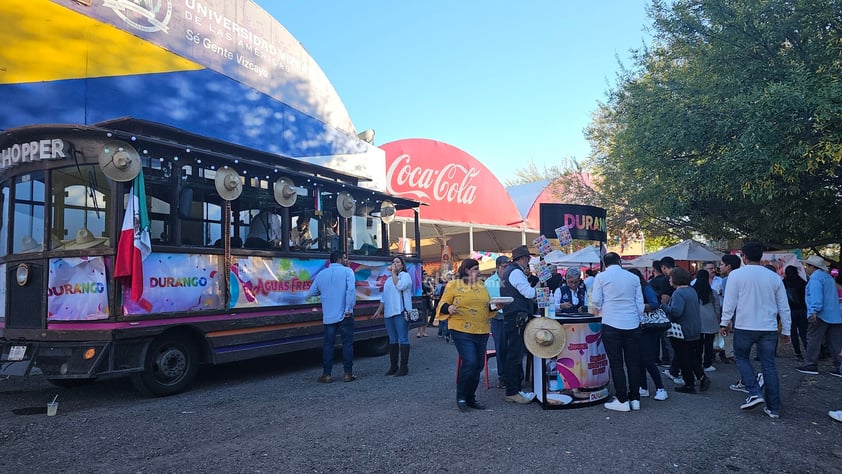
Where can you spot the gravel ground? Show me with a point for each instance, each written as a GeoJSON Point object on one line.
{"type": "Point", "coordinates": [270, 416]}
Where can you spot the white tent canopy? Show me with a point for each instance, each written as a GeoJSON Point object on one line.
{"type": "Point", "coordinates": [689, 250]}
{"type": "Point", "coordinates": [552, 258]}
{"type": "Point", "coordinates": [581, 258]}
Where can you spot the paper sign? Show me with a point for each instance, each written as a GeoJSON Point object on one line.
{"type": "Point", "coordinates": [543, 297]}
{"type": "Point", "coordinates": [544, 272]}
{"type": "Point", "coordinates": [543, 245]}
{"type": "Point", "coordinates": [563, 234]}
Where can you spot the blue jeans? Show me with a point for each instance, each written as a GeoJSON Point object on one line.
{"type": "Point", "coordinates": [398, 329]}
{"type": "Point", "coordinates": [346, 331]}
{"type": "Point", "coordinates": [650, 345]}
{"type": "Point", "coordinates": [498, 330]}
{"type": "Point", "coordinates": [471, 348]}
{"type": "Point", "coordinates": [766, 342]}
{"type": "Point", "coordinates": [623, 349]}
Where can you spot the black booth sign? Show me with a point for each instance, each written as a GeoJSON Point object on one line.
{"type": "Point", "coordinates": [584, 222]}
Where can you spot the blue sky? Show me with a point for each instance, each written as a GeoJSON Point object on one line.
{"type": "Point", "coordinates": [507, 82]}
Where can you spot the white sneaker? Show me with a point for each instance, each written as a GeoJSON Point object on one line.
{"type": "Point", "coordinates": [661, 394]}
{"type": "Point", "coordinates": [710, 369]}
{"type": "Point", "coordinates": [527, 395]}
{"type": "Point", "coordinates": [674, 379]}
{"type": "Point", "coordinates": [836, 415]}
{"type": "Point", "coordinates": [616, 405]}
{"type": "Point", "coordinates": [643, 392]}
{"type": "Point", "coordinates": [635, 404]}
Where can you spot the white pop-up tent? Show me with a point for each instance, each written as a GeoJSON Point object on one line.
{"type": "Point", "coordinates": [689, 250]}
{"type": "Point", "coordinates": [553, 258]}
{"type": "Point", "coordinates": [581, 258]}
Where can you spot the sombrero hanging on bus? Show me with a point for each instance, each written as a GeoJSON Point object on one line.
{"type": "Point", "coordinates": [84, 240]}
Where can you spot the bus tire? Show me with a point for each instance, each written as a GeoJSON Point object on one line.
{"type": "Point", "coordinates": [171, 365]}
{"type": "Point", "coordinates": [373, 347]}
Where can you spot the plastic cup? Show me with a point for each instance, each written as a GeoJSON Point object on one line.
{"type": "Point", "coordinates": [52, 408]}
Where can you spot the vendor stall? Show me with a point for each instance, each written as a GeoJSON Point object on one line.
{"type": "Point", "coordinates": [568, 360]}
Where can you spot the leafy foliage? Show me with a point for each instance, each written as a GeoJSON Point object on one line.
{"type": "Point", "coordinates": [729, 124]}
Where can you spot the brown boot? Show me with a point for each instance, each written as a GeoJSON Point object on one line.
{"type": "Point", "coordinates": [403, 370]}
{"type": "Point", "coordinates": [393, 359]}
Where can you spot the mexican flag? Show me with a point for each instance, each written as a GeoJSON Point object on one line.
{"type": "Point", "coordinates": [134, 243]}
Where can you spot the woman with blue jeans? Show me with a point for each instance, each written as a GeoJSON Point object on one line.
{"type": "Point", "coordinates": [650, 343]}
{"type": "Point", "coordinates": [397, 296]}
{"type": "Point", "coordinates": [465, 305]}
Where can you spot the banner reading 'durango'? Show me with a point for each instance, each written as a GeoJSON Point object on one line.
{"type": "Point", "coordinates": [584, 222]}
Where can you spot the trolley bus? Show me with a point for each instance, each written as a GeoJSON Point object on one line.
{"type": "Point", "coordinates": [204, 293]}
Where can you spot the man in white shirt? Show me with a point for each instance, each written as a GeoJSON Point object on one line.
{"type": "Point", "coordinates": [515, 284]}
{"type": "Point", "coordinates": [618, 298]}
{"type": "Point", "coordinates": [754, 299]}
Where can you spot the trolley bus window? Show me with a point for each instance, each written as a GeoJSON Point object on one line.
{"type": "Point", "coordinates": [364, 231]}
{"type": "Point", "coordinates": [80, 208]}
{"type": "Point", "coordinates": [201, 219]}
{"type": "Point", "coordinates": [28, 222]}
{"type": "Point", "coordinates": [4, 226]}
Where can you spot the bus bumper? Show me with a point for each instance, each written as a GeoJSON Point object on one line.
{"type": "Point", "coordinates": [51, 359]}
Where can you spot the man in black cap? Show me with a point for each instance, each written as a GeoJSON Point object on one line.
{"type": "Point", "coordinates": [498, 330]}
{"type": "Point", "coordinates": [515, 284]}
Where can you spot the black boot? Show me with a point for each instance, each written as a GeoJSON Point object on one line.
{"type": "Point", "coordinates": [393, 359]}
{"type": "Point", "coordinates": [403, 370]}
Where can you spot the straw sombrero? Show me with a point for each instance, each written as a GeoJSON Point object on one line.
{"type": "Point", "coordinates": [28, 244]}
{"type": "Point", "coordinates": [284, 191]}
{"type": "Point", "coordinates": [345, 204]}
{"type": "Point", "coordinates": [228, 184]}
{"type": "Point", "coordinates": [119, 161]}
{"type": "Point", "coordinates": [84, 240]}
{"type": "Point", "coordinates": [544, 337]}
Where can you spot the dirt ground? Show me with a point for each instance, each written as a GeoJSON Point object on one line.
{"type": "Point", "coordinates": [270, 416]}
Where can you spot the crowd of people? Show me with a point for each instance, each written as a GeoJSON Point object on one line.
{"type": "Point", "coordinates": [731, 311]}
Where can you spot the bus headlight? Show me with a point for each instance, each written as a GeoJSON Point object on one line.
{"type": "Point", "coordinates": [22, 274]}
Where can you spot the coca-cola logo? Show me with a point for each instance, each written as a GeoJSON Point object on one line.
{"type": "Point", "coordinates": [451, 183]}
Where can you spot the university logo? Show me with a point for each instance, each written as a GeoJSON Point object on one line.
{"type": "Point", "coordinates": [144, 15]}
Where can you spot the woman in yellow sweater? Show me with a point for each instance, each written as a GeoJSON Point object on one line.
{"type": "Point", "coordinates": [465, 304]}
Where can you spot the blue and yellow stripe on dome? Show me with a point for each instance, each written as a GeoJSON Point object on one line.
{"type": "Point", "coordinates": [44, 41]}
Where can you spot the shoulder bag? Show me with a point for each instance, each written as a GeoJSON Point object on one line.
{"type": "Point", "coordinates": [655, 320]}
{"type": "Point", "coordinates": [411, 315]}
{"type": "Point", "coordinates": [675, 331]}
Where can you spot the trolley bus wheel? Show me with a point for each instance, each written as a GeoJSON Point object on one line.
{"type": "Point", "coordinates": [171, 365]}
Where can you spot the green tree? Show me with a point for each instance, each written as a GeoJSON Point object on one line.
{"type": "Point", "coordinates": [730, 123]}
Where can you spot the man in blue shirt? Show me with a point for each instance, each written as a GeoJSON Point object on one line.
{"type": "Point", "coordinates": [335, 285]}
{"type": "Point", "coordinates": [823, 315]}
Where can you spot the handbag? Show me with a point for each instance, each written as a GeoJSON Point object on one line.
{"type": "Point", "coordinates": [410, 315]}
{"type": "Point", "coordinates": [675, 331]}
{"type": "Point", "coordinates": [655, 320]}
